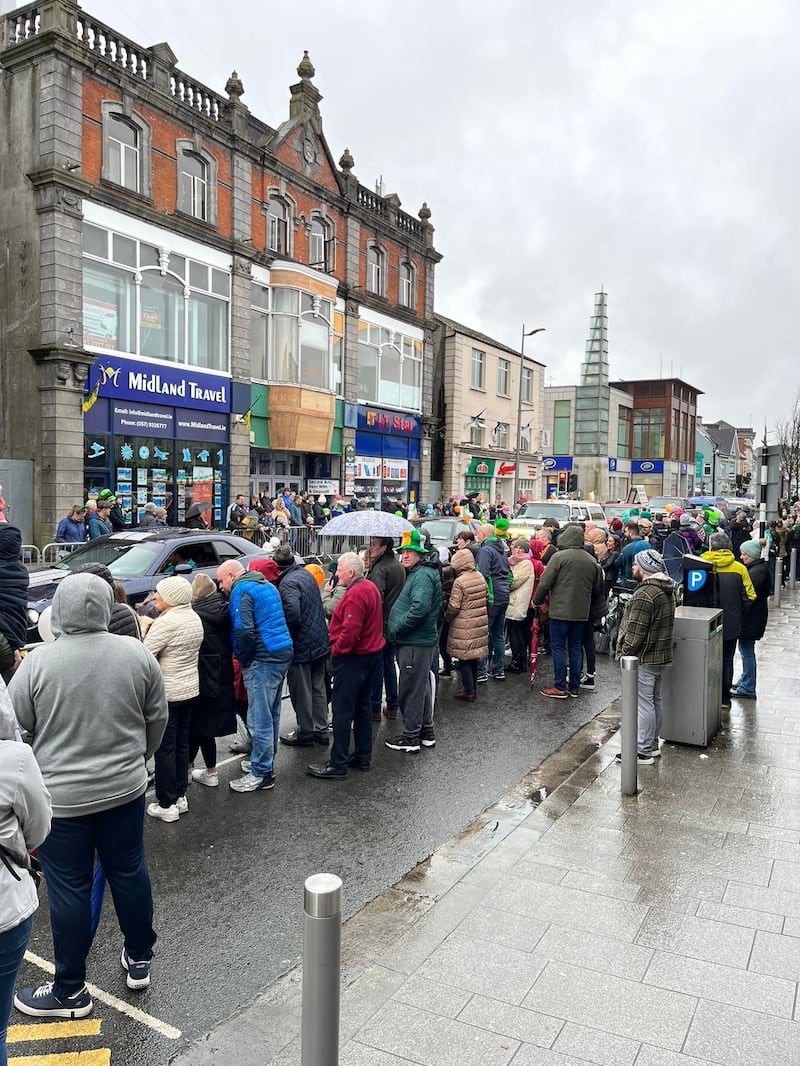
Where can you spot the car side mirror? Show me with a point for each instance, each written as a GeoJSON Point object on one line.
{"type": "Point", "coordinates": [183, 568]}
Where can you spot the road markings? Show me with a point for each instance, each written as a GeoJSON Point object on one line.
{"type": "Point", "coordinates": [99, 1057]}
{"type": "Point", "coordinates": [111, 1001]}
{"type": "Point", "coordinates": [18, 1034]}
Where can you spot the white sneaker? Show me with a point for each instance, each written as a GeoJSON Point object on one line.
{"type": "Point", "coordinates": [164, 814]}
{"type": "Point", "coordinates": [206, 777]}
{"type": "Point", "coordinates": [182, 804]}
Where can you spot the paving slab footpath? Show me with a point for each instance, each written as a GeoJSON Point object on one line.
{"type": "Point", "coordinates": [661, 929]}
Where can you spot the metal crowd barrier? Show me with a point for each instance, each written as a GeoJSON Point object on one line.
{"type": "Point", "coordinates": [55, 552]}
{"type": "Point", "coordinates": [31, 555]}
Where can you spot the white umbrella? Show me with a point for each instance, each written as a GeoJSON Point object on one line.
{"type": "Point", "coordinates": [366, 524]}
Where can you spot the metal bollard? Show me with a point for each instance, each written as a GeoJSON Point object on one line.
{"type": "Point", "coordinates": [322, 938]}
{"type": "Point", "coordinates": [630, 724]}
{"type": "Point", "coordinates": [776, 590]}
{"type": "Point", "coordinates": [793, 570]}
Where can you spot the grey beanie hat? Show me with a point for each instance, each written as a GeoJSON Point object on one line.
{"type": "Point", "coordinates": [650, 561]}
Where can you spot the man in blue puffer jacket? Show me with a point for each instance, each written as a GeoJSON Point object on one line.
{"type": "Point", "coordinates": [302, 606]}
{"type": "Point", "coordinates": [263, 646]}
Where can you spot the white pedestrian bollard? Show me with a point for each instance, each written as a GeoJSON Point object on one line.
{"type": "Point", "coordinates": [793, 570]}
{"type": "Point", "coordinates": [629, 781]}
{"type": "Point", "coordinates": [322, 941]}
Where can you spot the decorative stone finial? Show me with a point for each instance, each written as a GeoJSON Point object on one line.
{"type": "Point", "coordinates": [347, 162]}
{"type": "Point", "coordinates": [305, 68]}
{"type": "Point", "coordinates": [425, 214]}
{"type": "Point", "coordinates": [234, 88]}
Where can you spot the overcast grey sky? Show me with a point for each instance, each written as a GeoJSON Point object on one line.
{"type": "Point", "coordinates": [648, 146]}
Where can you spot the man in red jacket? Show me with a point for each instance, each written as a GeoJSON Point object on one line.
{"type": "Point", "coordinates": [356, 635]}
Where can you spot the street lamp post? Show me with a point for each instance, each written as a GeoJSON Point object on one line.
{"type": "Point", "coordinates": [530, 333]}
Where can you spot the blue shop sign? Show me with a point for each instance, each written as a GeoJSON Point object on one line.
{"type": "Point", "coordinates": [647, 466]}
{"type": "Point", "coordinates": [612, 465]}
{"type": "Point", "coordinates": [382, 420]}
{"type": "Point", "coordinates": [128, 379]}
{"type": "Point", "coordinates": [556, 462]}
{"type": "Point", "coordinates": [684, 469]}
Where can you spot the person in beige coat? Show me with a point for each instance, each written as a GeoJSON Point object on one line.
{"type": "Point", "coordinates": [519, 616]}
{"type": "Point", "coordinates": [175, 638]}
{"type": "Point", "coordinates": [468, 615]}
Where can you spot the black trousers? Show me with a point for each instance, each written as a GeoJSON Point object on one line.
{"type": "Point", "coordinates": [469, 674]}
{"type": "Point", "coordinates": [207, 745]}
{"type": "Point", "coordinates": [352, 705]}
{"type": "Point", "coordinates": [172, 758]}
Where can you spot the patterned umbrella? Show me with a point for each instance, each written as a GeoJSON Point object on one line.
{"type": "Point", "coordinates": [366, 524]}
{"type": "Point", "coordinates": [533, 660]}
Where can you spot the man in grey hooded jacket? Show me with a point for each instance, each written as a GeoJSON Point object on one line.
{"type": "Point", "coordinates": [92, 751]}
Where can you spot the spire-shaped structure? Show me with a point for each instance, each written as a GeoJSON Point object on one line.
{"type": "Point", "coordinates": [592, 395]}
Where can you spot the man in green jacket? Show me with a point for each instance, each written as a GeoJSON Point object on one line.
{"type": "Point", "coordinates": [412, 628]}
{"type": "Point", "coordinates": [646, 631]}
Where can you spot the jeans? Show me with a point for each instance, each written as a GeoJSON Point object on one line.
{"type": "Point", "coordinates": [747, 678]}
{"type": "Point", "coordinates": [496, 661]}
{"type": "Point", "coordinates": [728, 652]}
{"type": "Point", "coordinates": [67, 857]}
{"type": "Point", "coordinates": [172, 757]}
{"type": "Point", "coordinates": [385, 677]}
{"type": "Point", "coordinates": [264, 683]}
{"type": "Point", "coordinates": [309, 696]}
{"type": "Point", "coordinates": [352, 705]}
{"type": "Point", "coordinates": [649, 695]}
{"type": "Point", "coordinates": [415, 693]}
{"type": "Point", "coordinates": [12, 949]}
{"type": "Point", "coordinates": [566, 640]}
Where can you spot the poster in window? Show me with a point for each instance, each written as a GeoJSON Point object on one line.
{"type": "Point", "coordinates": [100, 324]}
{"type": "Point", "coordinates": [151, 316]}
{"type": "Point", "coordinates": [202, 484]}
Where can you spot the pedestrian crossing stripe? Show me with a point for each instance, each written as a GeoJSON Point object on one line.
{"type": "Point", "coordinates": [100, 1057]}
{"type": "Point", "coordinates": [18, 1034]}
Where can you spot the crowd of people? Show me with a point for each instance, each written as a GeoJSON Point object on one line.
{"type": "Point", "coordinates": [369, 640]}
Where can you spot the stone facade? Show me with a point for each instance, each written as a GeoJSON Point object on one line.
{"type": "Point", "coordinates": [64, 72]}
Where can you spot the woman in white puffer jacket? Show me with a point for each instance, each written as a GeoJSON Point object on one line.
{"type": "Point", "coordinates": [175, 638]}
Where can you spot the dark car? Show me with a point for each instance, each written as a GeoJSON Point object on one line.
{"type": "Point", "coordinates": [138, 559]}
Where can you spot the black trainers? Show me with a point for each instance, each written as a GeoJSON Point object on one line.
{"type": "Point", "coordinates": [403, 743]}
{"type": "Point", "coordinates": [138, 972]}
{"type": "Point", "coordinates": [643, 758]}
{"type": "Point", "coordinates": [427, 738]}
{"type": "Point", "coordinates": [587, 681]}
{"type": "Point", "coordinates": [42, 1002]}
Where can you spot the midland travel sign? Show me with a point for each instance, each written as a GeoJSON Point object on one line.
{"type": "Point", "coordinates": [165, 383]}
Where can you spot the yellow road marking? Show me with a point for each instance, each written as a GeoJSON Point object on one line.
{"type": "Point", "coordinates": [18, 1034]}
{"type": "Point", "coordinates": [164, 1028]}
{"type": "Point", "coordinates": [100, 1057]}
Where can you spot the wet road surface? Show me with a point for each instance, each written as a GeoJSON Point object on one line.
{"type": "Point", "coordinates": [228, 877]}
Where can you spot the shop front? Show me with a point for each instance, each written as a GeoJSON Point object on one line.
{"type": "Point", "coordinates": [157, 433]}
{"type": "Point", "coordinates": [649, 475]}
{"type": "Point", "coordinates": [557, 470]}
{"type": "Point", "coordinates": [385, 463]}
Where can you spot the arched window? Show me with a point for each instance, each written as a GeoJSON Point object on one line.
{"type": "Point", "coordinates": [408, 285]}
{"type": "Point", "coordinates": [126, 147]}
{"type": "Point", "coordinates": [376, 270]}
{"type": "Point", "coordinates": [194, 185]}
{"type": "Point", "coordinates": [123, 153]}
{"type": "Point", "coordinates": [321, 245]}
{"type": "Point", "coordinates": [277, 226]}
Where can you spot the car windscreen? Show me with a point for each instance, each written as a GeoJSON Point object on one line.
{"type": "Point", "coordinates": [439, 530]}
{"type": "Point", "coordinates": [123, 558]}
{"type": "Point", "coordinates": [545, 510]}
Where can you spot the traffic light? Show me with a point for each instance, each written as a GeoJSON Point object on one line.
{"type": "Point", "coordinates": [562, 481]}
{"type": "Point", "coordinates": [573, 483]}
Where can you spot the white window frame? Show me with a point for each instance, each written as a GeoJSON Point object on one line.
{"type": "Point", "coordinates": [501, 436]}
{"type": "Point", "coordinates": [204, 188]}
{"type": "Point", "coordinates": [376, 269]}
{"type": "Point", "coordinates": [503, 377]}
{"type": "Point", "coordinates": [122, 111]}
{"type": "Point", "coordinates": [407, 288]}
{"type": "Point", "coordinates": [278, 227]}
{"type": "Point", "coordinates": [476, 435]}
{"type": "Point", "coordinates": [527, 384]}
{"type": "Point", "coordinates": [326, 235]}
{"type": "Point", "coordinates": [478, 363]}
